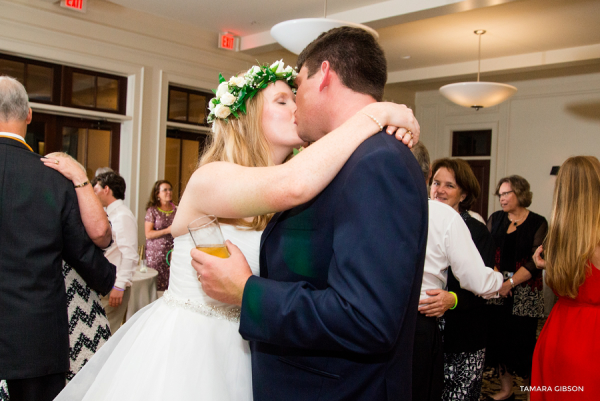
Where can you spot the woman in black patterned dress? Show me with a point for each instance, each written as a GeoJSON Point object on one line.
{"type": "Point", "coordinates": [514, 316]}
{"type": "Point", "coordinates": [88, 325]}
{"type": "Point", "coordinates": [454, 183]}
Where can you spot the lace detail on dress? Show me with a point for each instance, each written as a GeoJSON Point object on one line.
{"type": "Point", "coordinates": [220, 312]}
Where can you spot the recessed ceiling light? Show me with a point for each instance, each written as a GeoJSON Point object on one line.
{"type": "Point", "coordinates": [405, 57]}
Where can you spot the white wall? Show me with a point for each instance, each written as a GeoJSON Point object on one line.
{"type": "Point", "coordinates": [149, 50]}
{"type": "Point", "coordinates": [543, 124]}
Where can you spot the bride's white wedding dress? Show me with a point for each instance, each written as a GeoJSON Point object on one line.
{"type": "Point", "coordinates": [184, 346]}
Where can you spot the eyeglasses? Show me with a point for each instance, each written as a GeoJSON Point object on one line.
{"type": "Point", "coordinates": [503, 194]}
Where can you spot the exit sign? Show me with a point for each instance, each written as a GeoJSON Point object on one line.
{"type": "Point", "coordinates": [77, 5]}
{"type": "Point", "coordinates": [228, 41]}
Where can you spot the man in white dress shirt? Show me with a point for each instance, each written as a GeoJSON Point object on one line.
{"type": "Point", "coordinates": [449, 243]}
{"type": "Point", "coordinates": [123, 252]}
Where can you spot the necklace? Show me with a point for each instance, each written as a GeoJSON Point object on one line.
{"type": "Point", "coordinates": [515, 221]}
{"type": "Point", "coordinates": [165, 211]}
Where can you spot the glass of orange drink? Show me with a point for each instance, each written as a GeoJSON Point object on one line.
{"type": "Point", "coordinates": [207, 236]}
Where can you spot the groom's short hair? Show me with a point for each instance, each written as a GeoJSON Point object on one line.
{"type": "Point", "coordinates": [353, 54]}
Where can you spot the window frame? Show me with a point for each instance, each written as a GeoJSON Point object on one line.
{"type": "Point", "coordinates": [207, 95]}
{"type": "Point", "coordinates": [67, 76]}
{"type": "Point", "coordinates": [455, 142]}
{"type": "Point", "coordinates": [200, 137]}
{"type": "Point", "coordinates": [56, 76]}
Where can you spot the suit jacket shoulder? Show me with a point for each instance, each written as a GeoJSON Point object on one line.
{"type": "Point", "coordinates": [40, 226]}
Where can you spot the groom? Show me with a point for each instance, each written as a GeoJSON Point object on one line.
{"type": "Point", "coordinates": [332, 316]}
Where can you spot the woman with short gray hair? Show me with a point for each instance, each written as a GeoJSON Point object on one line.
{"type": "Point", "coordinates": [517, 233]}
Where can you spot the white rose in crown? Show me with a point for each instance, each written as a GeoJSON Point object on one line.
{"type": "Point", "coordinates": [222, 111]}
{"type": "Point", "coordinates": [289, 69]}
{"type": "Point", "coordinates": [211, 104]}
{"type": "Point", "coordinates": [280, 68]}
{"type": "Point", "coordinates": [237, 81]}
{"type": "Point", "coordinates": [254, 70]}
{"type": "Point", "coordinates": [228, 99]}
{"type": "Point", "coordinates": [222, 89]}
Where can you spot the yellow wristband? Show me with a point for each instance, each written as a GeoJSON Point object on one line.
{"type": "Point", "coordinates": [455, 299]}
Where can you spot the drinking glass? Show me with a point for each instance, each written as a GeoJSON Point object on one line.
{"type": "Point", "coordinates": [207, 236]}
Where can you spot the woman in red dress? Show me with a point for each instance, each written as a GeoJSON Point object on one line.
{"type": "Point", "coordinates": [566, 360]}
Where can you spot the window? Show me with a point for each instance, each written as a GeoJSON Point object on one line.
{"type": "Point", "coordinates": [93, 90]}
{"type": "Point", "coordinates": [476, 148]}
{"type": "Point", "coordinates": [67, 86]}
{"type": "Point", "coordinates": [472, 143]}
{"type": "Point", "coordinates": [92, 143]}
{"type": "Point", "coordinates": [41, 80]}
{"type": "Point", "coordinates": [188, 106]}
{"type": "Point", "coordinates": [181, 159]}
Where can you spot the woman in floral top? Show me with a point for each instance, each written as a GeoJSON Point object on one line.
{"type": "Point", "coordinates": [160, 212]}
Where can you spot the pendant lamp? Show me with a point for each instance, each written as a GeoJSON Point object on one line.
{"type": "Point", "coordinates": [296, 34]}
{"type": "Point", "coordinates": [478, 94]}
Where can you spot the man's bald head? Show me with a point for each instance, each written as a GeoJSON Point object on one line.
{"type": "Point", "coordinates": [14, 103]}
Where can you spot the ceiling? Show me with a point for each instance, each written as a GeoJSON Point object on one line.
{"type": "Point", "coordinates": [424, 40]}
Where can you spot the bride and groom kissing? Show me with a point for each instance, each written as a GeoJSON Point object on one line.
{"type": "Point", "coordinates": [325, 299]}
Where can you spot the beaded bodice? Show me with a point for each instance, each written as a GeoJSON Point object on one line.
{"type": "Point", "coordinates": [184, 288]}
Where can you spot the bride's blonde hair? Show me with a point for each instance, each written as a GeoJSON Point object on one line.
{"type": "Point", "coordinates": [242, 141]}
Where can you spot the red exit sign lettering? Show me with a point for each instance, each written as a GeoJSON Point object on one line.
{"type": "Point", "coordinates": [77, 5]}
{"type": "Point", "coordinates": [228, 41]}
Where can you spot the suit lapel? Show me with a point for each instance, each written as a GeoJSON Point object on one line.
{"type": "Point", "coordinates": [269, 228]}
{"type": "Point", "coordinates": [263, 261]}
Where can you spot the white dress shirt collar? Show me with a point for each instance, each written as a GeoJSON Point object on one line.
{"type": "Point", "coordinates": [110, 208]}
{"type": "Point", "coordinates": [10, 134]}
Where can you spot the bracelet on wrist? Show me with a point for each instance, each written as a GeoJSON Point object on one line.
{"type": "Point", "coordinates": [83, 184]}
{"type": "Point", "coordinates": [118, 289]}
{"type": "Point", "coordinates": [455, 299]}
{"type": "Point", "coordinates": [512, 283]}
{"type": "Point", "coordinates": [376, 121]}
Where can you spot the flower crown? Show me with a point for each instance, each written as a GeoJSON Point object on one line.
{"type": "Point", "coordinates": [231, 95]}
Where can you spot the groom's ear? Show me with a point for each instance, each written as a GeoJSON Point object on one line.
{"type": "Point", "coordinates": [325, 75]}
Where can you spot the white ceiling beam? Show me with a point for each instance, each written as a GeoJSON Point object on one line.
{"type": "Point", "coordinates": [508, 63]}
{"type": "Point", "coordinates": [384, 14]}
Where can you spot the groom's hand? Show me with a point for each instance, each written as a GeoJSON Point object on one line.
{"type": "Point", "coordinates": [222, 279]}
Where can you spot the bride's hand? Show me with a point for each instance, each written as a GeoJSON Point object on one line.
{"type": "Point", "coordinates": [399, 119]}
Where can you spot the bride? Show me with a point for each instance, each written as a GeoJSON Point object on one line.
{"type": "Point", "coordinates": [186, 346]}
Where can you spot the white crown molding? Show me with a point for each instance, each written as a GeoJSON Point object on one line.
{"type": "Point", "coordinates": [509, 63]}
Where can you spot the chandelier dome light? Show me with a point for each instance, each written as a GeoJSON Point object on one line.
{"type": "Point", "coordinates": [478, 94]}
{"type": "Point", "coordinates": [296, 34]}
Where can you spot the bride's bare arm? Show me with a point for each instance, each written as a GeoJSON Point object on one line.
{"type": "Point", "coordinates": [228, 190]}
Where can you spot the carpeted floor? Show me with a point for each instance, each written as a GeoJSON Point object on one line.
{"type": "Point", "coordinates": [491, 385]}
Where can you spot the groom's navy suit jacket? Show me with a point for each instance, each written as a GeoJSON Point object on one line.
{"type": "Point", "coordinates": [332, 316]}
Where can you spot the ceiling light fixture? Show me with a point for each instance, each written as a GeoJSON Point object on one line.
{"type": "Point", "coordinates": [478, 94]}
{"type": "Point", "coordinates": [296, 34]}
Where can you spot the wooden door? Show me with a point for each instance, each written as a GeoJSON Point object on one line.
{"type": "Point", "coordinates": [481, 169]}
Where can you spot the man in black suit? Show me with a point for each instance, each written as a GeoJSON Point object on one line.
{"type": "Point", "coordinates": [332, 316]}
{"type": "Point", "coordinates": [40, 226]}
